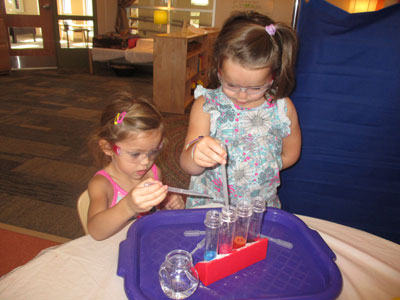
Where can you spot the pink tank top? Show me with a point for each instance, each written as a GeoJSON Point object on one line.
{"type": "Point", "coordinates": [120, 193]}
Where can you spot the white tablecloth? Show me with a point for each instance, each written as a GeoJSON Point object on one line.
{"type": "Point", "coordinates": [86, 269]}
{"type": "Point", "coordinates": [105, 54]}
{"type": "Point", "coordinates": [142, 53]}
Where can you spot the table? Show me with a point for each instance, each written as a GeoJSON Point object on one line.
{"type": "Point", "coordinates": [86, 269]}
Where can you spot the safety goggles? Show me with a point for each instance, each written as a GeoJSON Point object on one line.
{"type": "Point", "coordinates": [137, 156]}
{"type": "Point", "coordinates": [252, 90]}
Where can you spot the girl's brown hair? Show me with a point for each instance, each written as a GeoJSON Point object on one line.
{"type": "Point", "coordinates": [243, 39]}
{"type": "Point", "coordinates": [140, 116]}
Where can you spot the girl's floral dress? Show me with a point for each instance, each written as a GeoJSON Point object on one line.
{"type": "Point", "coordinates": [253, 138]}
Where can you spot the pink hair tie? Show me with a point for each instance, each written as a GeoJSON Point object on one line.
{"type": "Point", "coordinates": [271, 29]}
{"type": "Point", "coordinates": [119, 118]}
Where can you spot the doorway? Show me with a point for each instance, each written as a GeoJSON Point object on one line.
{"type": "Point", "coordinates": [30, 28]}
{"type": "Point", "coordinates": [49, 33]}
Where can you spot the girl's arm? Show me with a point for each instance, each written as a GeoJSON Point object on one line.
{"type": "Point", "coordinates": [208, 151]}
{"type": "Point", "coordinates": [105, 221]}
{"type": "Point", "coordinates": [291, 145]}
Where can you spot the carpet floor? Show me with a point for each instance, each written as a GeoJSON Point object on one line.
{"type": "Point", "coordinates": [46, 117]}
{"type": "Point", "coordinates": [18, 246]}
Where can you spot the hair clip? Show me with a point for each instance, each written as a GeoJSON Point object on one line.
{"type": "Point", "coordinates": [270, 29]}
{"type": "Point", "coordinates": [116, 149]}
{"type": "Point", "coordinates": [119, 118]}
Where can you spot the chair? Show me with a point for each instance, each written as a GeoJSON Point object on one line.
{"type": "Point", "coordinates": [83, 208]}
{"type": "Point", "coordinates": [85, 33]}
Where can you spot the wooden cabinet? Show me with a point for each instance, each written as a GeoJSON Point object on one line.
{"type": "Point", "coordinates": [180, 59]}
{"type": "Point", "coordinates": [5, 62]}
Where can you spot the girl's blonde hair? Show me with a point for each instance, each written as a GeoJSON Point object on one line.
{"type": "Point", "coordinates": [244, 39]}
{"type": "Point", "coordinates": [140, 116]}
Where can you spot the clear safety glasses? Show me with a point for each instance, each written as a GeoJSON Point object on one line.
{"type": "Point", "coordinates": [252, 90]}
{"type": "Point", "coordinates": [137, 156]}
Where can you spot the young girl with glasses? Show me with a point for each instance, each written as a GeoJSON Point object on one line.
{"type": "Point", "coordinates": [248, 113]}
{"type": "Point", "coordinates": [129, 139]}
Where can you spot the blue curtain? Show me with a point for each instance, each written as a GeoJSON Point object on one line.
{"type": "Point", "coordinates": [348, 101]}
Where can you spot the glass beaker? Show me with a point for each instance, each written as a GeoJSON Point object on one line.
{"type": "Point", "coordinates": [177, 275]}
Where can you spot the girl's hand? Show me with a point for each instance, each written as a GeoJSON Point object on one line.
{"type": "Point", "coordinates": [174, 201]}
{"type": "Point", "coordinates": [208, 152]}
{"type": "Point", "coordinates": [145, 195]}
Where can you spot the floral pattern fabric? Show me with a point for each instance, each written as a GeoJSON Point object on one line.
{"type": "Point", "coordinates": [253, 139]}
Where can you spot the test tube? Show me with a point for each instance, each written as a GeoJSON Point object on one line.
{"type": "Point", "coordinates": [212, 223]}
{"type": "Point", "coordinates": [227, 229]}
{"type": "Point", "coordinates": [244, 212]}
{"type": "Point", "coordinates": [256, 220]}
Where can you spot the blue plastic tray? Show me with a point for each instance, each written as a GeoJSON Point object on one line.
{"type": "Point", "coordinates": [307, 271]}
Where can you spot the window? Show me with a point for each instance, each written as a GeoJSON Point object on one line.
{"type": "Point", "coordinates": [198, 13]}
{"type": "Point", "coordinates": [75, 23]}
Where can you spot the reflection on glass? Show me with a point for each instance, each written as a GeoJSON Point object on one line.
{"type": "Point", "coordinates": [26, 37]}
{"type": "Point", "coordinates": [193, 4]}
{"type": "Point", "coordinates": [75, 33]}
{"type": "Point", "coordinates": [202, 19]}
{"type": "Point", "coordinates": [200, 2]}
{"type": "Point", "coordinates": [151, 2]}
{"type": "Point", "coordinates": [21, 7]}
{"type": "Point", "coordinates": [76, 8]}
{"type": "Point", "coordinates": [198, 13]}
{"type": "Point", "coordinates": [141, 21]}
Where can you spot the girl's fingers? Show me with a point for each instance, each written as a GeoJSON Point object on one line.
{"type": "Point", "coordinates": [208, 158]}
{"type": "Point", "coordinates": [210, 152]}
{"type": "Point", "coordinates": [175, 202]}
{"type": "Point", "coordinates": [145, 197]}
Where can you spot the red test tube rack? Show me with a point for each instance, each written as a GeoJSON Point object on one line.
{"type": "Point", "coordinates": [238, 259]}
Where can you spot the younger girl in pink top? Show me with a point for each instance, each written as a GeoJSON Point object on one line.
{"type": "Point", "coordinates": [128, 141]}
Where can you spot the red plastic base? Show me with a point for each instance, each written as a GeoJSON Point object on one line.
{"type": "Point", "coordinates": [239, 259]}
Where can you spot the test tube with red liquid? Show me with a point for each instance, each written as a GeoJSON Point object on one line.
{"type": "Point", "coordinates": [244, 212]}
{"type": "Point", "coordinates": [228, 219]}
{"type": "Point", "coordinates": [256, 220]}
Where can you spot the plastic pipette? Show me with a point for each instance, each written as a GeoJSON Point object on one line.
{"type": "Point", "coordinates": [183, 191]}
{"type": "Point", "coordinates": [188, 192]}
{"type": "Point", "coordinates": [285, 244]}
{"type": "Point", "coordinates": [224, 181]}
{"type": "Point", "coordinates": [199, 246]}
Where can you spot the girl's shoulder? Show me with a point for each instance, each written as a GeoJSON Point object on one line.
{"type": "Point", "coordinates": [208, 94]}
{"type": "Point", "coordinates": [99, 180]}
{"type": "Point", "coordinates": [99, 186]}
{"type": "Point", "coordinates": [286, 108]}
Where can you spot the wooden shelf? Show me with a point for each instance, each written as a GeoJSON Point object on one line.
{"type": "Point", "coordinates": [174, 68]}
{"type": "Point", "coordinates": [194, 53]}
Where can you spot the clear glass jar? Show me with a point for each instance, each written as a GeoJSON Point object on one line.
{"type": "Point", "coordinates": [177, 275]}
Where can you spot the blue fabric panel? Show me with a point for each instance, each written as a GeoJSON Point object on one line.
{"type": "Point", "coordinates": [348, 101]}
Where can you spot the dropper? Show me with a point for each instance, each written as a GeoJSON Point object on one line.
{"type": "Point", "coordinates": [224, 180]}
{"type": "Point", "coordinates": [183, 191]}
